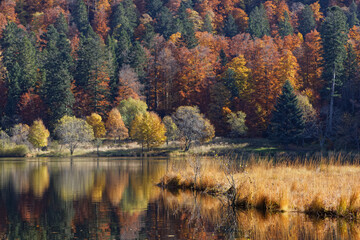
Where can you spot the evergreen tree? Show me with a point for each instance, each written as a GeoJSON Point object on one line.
{"type": "Point", "coordinates": [223, 57]}
{"type": "Point", "coordinates": [19, 58]}
{"type": "Point", "coordinates": [207, 27]}
{"type": "Point", "coordinates": [334, 36]}
{"type": "Point", "coordinates": [138, 59]}
{"type": "Point", "coordinates": [230, 27]}
{"type": "Point", "coordinates": [57, 66]}
{"type": "Point", "coordinates": [148, 35]}
{"type": "Point", "coordinates": [131, 13]}
{"type": "Point", "coordinates": [123, 19]}
{"type": "Point", "coordinates": [154, 7]}
{"type": "Point", "coordinates": [350, 80]}
{"type": "Point", "coordinates": [353, 19]}
{"type": "Point", "coordinates": [61, 24]}
{"type": "Point", "coordinates": [186, 28]}
{"type": "Point", "coordinates": [165, 23]}
{"type": "Point", "coordinates": [258, 22]}
{"type": "Point", "coordinates": [306, 21]}
{"type": "Point", "coordinates": [81, 18]}
{"type": "Point", "coordinates": [123, 49]}
{"type": "Point", "coordinates": [285, 27]}
{"type": "Point", "coordinates": [287, 123]}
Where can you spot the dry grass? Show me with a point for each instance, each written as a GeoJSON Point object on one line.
{"type": "Point", "coordinates": [318, 186]}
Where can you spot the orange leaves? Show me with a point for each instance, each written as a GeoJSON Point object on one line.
{"type": "Point", "coordinates": [101, 18]}
{"type": "Point", "coordinates": [31, 107]}
{"type": "Point", "coordinates": [318, 15]}
{"type": "Point", "coordinates": [311, 65]}
{"type": "Point", "coordinates": [288, 69]}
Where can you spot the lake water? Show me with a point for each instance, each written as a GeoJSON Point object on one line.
{"type": "Point", "coordinates": [117, 199]}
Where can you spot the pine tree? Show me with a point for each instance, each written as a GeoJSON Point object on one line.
{"type": "Point", "coordinates": [81, 18]}
{"type": "Point", "coordinates": [58, 63]}
{"type": "Point", "coordinates": [285, 27]}
{"type": "Point", "coordinates": [61, 24]}
{"type": "Point", "coordinates": [187, 28]}
{"type": "Point", "coordinates": [154, 7]}
{"type": "Point", "coordinates": [223, 58]}
{"type": "Point", "coordinates": [307, 21]}
{"type": "Point", "coordinates": [230, 27]}
{"type": "Point", "coordinates": [207, 27]}
{"type": "Point", "coordinates": [287, 123]}
{"type": "Point", "coordinates": [258, 22]}
{"type": "Point", "coordinates": [353, 19]}
{"type": "Point", "coordinates": [165, 23]}
{"type": "Point", "coordinates": [19, 58]}
{"type": "Point", "coordinates": [334, 36]}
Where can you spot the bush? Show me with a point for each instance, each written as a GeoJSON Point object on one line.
{"type": "Point", "coordinates": [14, 151]}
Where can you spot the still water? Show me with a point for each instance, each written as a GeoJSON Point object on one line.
{"type": "Point", "coordinates": [117, 199]}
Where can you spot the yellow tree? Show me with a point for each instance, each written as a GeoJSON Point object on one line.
{"type": "Point", "coordinates": [288, 69]}
{"type": "Point", "coordinates": [38, 134]}
{"type": "Point", "coordinates": [95, 121]}
{"type": "Point", "coordinates": [115, 125]}
{"type": "Point", "coordinates": [147, 129]}
{"type": "Point", "coordinates": [241, 77]}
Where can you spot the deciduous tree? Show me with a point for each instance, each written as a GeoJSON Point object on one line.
{"type": "Point", "coordinates": [38, 134]}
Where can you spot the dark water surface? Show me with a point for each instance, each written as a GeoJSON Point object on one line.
{"type": "Point", "coordinates": [117, 199]}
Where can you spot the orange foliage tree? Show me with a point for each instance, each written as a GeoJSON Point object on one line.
{"type": "Point", "coordinates": [31, 107]}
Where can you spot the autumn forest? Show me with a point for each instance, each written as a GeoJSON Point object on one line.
{"type": "Point", "coordinates": [257, 61]}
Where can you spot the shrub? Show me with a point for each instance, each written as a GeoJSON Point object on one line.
{"type": "Point", "coordinates": [14, 151]}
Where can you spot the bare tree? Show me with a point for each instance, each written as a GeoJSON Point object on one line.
{"type": "Point", "coordinates": [72, 131]}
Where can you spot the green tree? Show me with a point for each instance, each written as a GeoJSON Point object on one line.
{"type": "Point", "coordinates": [81, 18]}
{"type": "Point", "coordinates": [165, 25]}
{"type": "Point", "coordinates": [147, 129]}
{"type": "Point", "coordinates": [258, 22]}
{"type": "Point", "coordinates": [38, 134]}
{"type": "Point", "coordinates": [187, 28]}
{"type": "Point", "coordinates": [154, 7]}
{"type": "Point", "coordinates": [61, 24]}
{"type": "Point", "coordinates": [130, 108]}
{"type": "Point", "coordinates": [207, 27]}
{"type": "Point", "coordinates": [19, 58]}
{"type": "Point", "coordinates": [57, 66]}
{"type": "Point", "coordinates": [172, 132]}
{"type": "Point", "coordinates": [287, 124]}
{"type": "Point", "coordinates": [306, 20]}
{"type": "Point", "coordinates": [230, 27]}
{"type": "Point", "coordinates": [285, 27]}
{"type": "Point", "coordinates": [334, 36]}
{"type": "Point", "coordinates": [353, 19]}
{"type": "Point", "coordinates": [237, 123]}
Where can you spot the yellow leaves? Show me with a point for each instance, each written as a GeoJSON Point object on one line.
{"type": "Point", "coordinates": [288, 69]}
{"type": "Point", "coordinates": [175, 38]}
{"type": "Point", "coordinates": [38, 134]}
{"type": "Point", "coordinates": [148, 129]}
{"type": "Point", "coordinates": [95, 121]}
{"type": "Point", "coordinates": [115, 125]}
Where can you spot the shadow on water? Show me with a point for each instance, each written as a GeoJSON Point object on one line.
{"type": "Point", "coordinates": [118, 199]}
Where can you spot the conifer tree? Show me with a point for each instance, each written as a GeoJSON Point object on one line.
{"type": "Point", "coordinates": [285, 27]}
{"type": "Point", "coordinates": [207, 27]}
{"type": "Point", "coordinates": [154, 7]}
{"type": "Point", "coordinates": [165, 23]}
{"type": "Point", "coordinates": [287, 124]}
{"type": "Point", "coordinates": [57, 66]}
{"type": "Point", "coordinates": [353, 19]}
{"type": "Point", "coordinates": [19, 58]}
{"type": "Point", "coordinates": [81, 18]}
{"type": "Point", "coordinates": [258, 22]}
{"type": "Point", "coordinates": [187, 28]}
{"type": "Point", "coordinates": [230, 27]}
{"type": "Point", "coordinates": [61, 24]}
{"type": "Point", "coordinates": [334, 36]}
{"type": "Point", "coordinates": [306, 20]}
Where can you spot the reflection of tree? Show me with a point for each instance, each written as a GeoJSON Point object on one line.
{"type": "Point", "coordinates": [115, 186]}
{"type": "Point", "coordinates": [40, 180]}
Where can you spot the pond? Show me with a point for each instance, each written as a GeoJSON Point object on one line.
{"type": "Point", "coordinates": [117, 198]}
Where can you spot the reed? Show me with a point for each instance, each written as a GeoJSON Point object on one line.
{"type": "Point", "coordinates": [318, 186]}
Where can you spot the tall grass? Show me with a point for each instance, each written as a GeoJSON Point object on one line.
{"type": "Point", "coordinates": [13, 150]}
{"type": "Point", "coordinates": [317, 185]}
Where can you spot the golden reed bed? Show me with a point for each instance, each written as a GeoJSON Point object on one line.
{"type": "Point", "coordinates": [317, 186]}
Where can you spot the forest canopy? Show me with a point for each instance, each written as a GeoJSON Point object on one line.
{"type": "Point", "coordinates": [78, 57]}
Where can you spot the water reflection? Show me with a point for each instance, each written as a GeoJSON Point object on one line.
{"type": "Point", "coordinates": [117, 199]}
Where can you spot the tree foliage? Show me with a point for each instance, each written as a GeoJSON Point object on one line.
{"type": "Point", "coordinates": [38, 134]}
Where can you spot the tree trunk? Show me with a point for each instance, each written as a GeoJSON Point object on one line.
{"type": "Point", "coordinates": [331, 110]}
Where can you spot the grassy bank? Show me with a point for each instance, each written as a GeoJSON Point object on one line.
{"type": "Point", "coordinates": [217, 147]}
{"type": "Point", "coordinates": [319, 186]}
